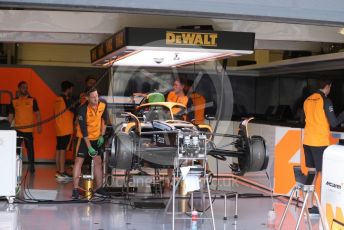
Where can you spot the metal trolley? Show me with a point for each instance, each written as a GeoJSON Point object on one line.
{"type": "Point", "coordinates": [192, 146]}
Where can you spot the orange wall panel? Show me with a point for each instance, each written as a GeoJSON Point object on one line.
{"type": "Point", "coordinates": [45, 142]}
{"type": "Point", "coordinates": [285, 149]}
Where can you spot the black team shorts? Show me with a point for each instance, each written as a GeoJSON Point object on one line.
{"type": "Point", "coordinates": [314, 156]}
{"type": "Point", "coordinates": [63, 142]}
{"type": "Point", "coordinates": [81, 149]}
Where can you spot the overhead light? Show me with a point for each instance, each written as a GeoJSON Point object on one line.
{"type": "Point", "coordinates": [341, 31]}
{"type": "Point", "coordinates": [157, 58]}
{"type": "Point", "coordinates": [167, 48]}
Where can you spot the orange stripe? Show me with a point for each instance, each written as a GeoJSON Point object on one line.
{"type": "Point", "coordinates": [284, 151]}
{"type": "Point", "coordinates": [44, 142]}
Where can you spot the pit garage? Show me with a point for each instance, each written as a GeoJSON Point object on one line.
{"type": "Point", "coordinates": [171, 115]}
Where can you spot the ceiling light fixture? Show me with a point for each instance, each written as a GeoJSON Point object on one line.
{"type": "Point", "coordinates": [168, 48]}
{"type": "Point", "coordinates": [341, 31]}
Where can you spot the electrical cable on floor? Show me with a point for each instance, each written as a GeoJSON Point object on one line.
{"type": "Point", "coordinates": [109, 199]}
{"type": "Point", "coordinates": [26, 192]}
{"type": "Point", "coordinates": [32, 200]}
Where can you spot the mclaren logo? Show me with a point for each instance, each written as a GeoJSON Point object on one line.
{"type": "Point", "coordinates": [191, 38]}
{"type": "Point", "coordinates": [333, 185]}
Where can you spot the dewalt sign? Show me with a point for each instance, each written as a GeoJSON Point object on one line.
{"type": "Point", "coordinates": [132, 38]}
{"type": "Point", "coordinates": [191, 38]}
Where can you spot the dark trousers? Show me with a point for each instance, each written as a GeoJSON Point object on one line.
{"type": "Point", "coordinates": [28, 140]}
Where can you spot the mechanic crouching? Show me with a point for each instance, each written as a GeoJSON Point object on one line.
{"type": "Point", "coordinates": [92, 117]}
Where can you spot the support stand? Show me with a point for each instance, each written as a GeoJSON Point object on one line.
{"type": "Point", "coordinates": [225, 195]}
{"type": "Point", "coordinates": [184, 156]}
{"type": "Point", "coordinates": [308, 190]}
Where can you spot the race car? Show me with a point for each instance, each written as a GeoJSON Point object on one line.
{"type": "Point", "coordinates": [149, 137]}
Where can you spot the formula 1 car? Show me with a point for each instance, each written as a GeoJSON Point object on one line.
{"type": "Point", "coordinates": [149, 137]}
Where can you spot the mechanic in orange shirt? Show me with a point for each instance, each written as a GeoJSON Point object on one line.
{"type": "Point", "coordinates": [198, 108]}
{"type": "Point", "coordinates": [198, 102]}
{"type": "Point", "coordinates": [22, 110]}
{"type": "Point", "coordinates": [90, 82]}
{"type": "Point", "coordinates": [92, 117]}
{"type": "Point", "coordinates": [177, 95]}
{"type": "Point", "coordinates": [319, 115]}
{"type": "Point", "coordinates": [64, 123]}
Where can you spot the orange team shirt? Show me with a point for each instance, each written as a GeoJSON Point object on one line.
{"type": "Point", "coordinates": [317, 128]}
{"type": "Point", "coordinates": [90, 121]}
{"type": "Point", "coordinates": [172, 97]}
{"type": "Point", "coordinates": [64, 122]}
{"type": "Point", "coordinates": [198, 102]}
{"type": "Point", "coordinates": [23, 109]}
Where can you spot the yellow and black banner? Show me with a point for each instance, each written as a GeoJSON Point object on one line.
{"type": "Point", "coordinates": [191, 38]}
{"type": "Point", "coordinates": [152, 37]}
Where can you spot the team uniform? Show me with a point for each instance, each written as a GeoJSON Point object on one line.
{"type": "Point", "coordinates": [173, 97]}
{"type": "Point", "coordinates": [90, 123]}
{"type": "Point", "coordinates": [63, 123]}
{"type": "Point", "coordinates": [198, 102]}
{"type": "Point", "coordinates": [320, 116]}
{"type": "Point", "coordinates": [23, 109]}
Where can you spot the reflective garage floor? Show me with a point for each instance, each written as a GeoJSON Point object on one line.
{"type": "Point", "coordinates": [117, 213]}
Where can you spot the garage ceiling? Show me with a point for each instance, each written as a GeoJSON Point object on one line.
{"type": "Point", "coordinates": [68, 27]}
{"type": "Point", "coordinates": [316, 63]}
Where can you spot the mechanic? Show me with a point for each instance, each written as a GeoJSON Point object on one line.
{"type": "Point", "coordinates": [319, 116]}
{"type": "Point", "coordinates": [177, 95]}
{"type": "Point", "coordinates": [90, 82]}
{"type": "Point", "coordinates": [198, 102]}
{"type": "Point", "coordinates": [64, 123]}
{"type": "Point", "coordinates": [92, 117]}
{"type": "Point", "coordinates": [22, 110]}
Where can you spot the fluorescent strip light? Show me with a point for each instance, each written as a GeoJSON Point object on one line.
{"type": "Point", "coordinates": [156, 58]}
{"type": "Point", "coordinates": [341, 31]}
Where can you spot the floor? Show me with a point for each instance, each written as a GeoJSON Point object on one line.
{"type": "Point", "coordinates": [117, 213]}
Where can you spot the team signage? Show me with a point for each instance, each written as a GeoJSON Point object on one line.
{"type": "Point", "coordinates": [332, 189]}
{"type": "Point", "coordinates": [145, 38]}
{"type": "Point", "coordinates": [191, 38]}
